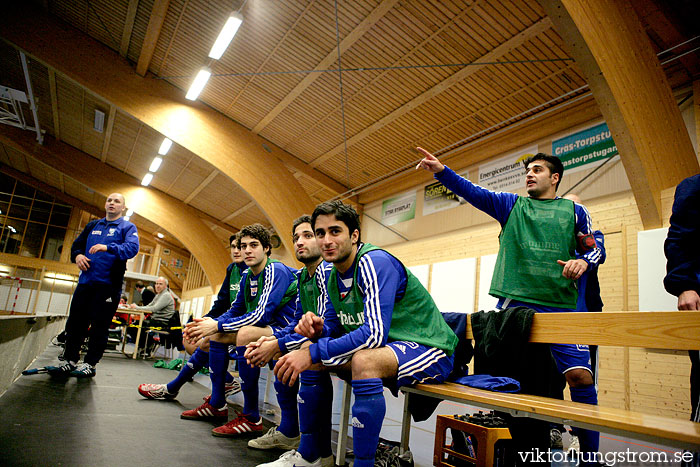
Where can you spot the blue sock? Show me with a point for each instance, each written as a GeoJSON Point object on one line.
{"type": "Point", "coordinates": [197, 361]}
{"type": "Point", "coordinates": [229, 377]}
{"type": "Point", "coordinates": [218, 369]}
{"type": "Point", "coordinates": [367, 416]}
{"type": "Point", "coordinates": [590, 440]}
{"type": "Point", "coordinates": [287, 399]}
{"type": "Point", "coordinates": [249, 386]}
{"type": "Point", "coordinates": [313, 414]}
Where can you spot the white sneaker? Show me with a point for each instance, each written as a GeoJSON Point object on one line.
{"type": "Point", "coordinates": [293, 459]}
{"type": "Point", "coordinates": [274, 439]}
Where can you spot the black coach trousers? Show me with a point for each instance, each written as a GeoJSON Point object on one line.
{"type": "Point", "coordinates": [93, 306]}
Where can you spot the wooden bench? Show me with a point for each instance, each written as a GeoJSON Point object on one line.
{"type": "Point", "coordinates": [676, 330]}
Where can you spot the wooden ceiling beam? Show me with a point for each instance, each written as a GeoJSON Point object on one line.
{"type": "Point", "coordinates": [612, 50]}
{"type": "Point", "coordinates": [332, 57]}
{"type": "Point", "coordinates": [155, 24]}
{"type": "Point", "coordinates": [128, 27]}
{"type": "Point", "coordinates": [171, 214]}
{"type": "Point", "coordinates": [238, 211]}
{"type": "Point", "coordinates": [210, 178]}
{"type": "Point", "coordinates": [223, 143]}
{"type": "Point", "coordinates": [500, 50]}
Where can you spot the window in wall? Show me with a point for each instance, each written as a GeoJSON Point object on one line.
{"type": "Point", "coordinates": [33, 223]}
{"type": "Point", "coordinates": [53, 246]}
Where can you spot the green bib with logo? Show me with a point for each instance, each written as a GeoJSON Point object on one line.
{"type": "Point", "coordinates": [308, 291]}
{"type": "Point", "coordinates": [415, 317]}
{"type": "Point", "coordinates": [234, 283]}
{"type": "Point", "coordinates": [251, 303]}
{"type": "Point", "coordinates": [536, 235]}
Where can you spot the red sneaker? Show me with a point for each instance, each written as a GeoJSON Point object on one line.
{"type": "Point", "coordinates": [238, 426]}
{"type": "Point", "coordinates": [205, 412]}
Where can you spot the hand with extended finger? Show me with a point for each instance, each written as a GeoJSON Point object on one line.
{"type": "Point", "coordinates": [573, 269]}
{"type": "Point", "coordinates": [310, 325]}
{"type": "Point", "coordinates": [429, 162]}
{"type": "Point", "coordinates": [291, 365]}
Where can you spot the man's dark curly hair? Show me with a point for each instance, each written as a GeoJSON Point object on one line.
{"type": "Point", "coordinates": [343, 212]}
{"type": "Point", "coordinates": [553, 163]}
{"type": "Point", "coordinates": [258, 232]}
{"type": "Point", "coordinates": [300, 220]}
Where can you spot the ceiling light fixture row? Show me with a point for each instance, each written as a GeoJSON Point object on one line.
{"type": "Point", "coordinates": [217, 50]}
{"type": "Point", "coordinates": [157, 161]}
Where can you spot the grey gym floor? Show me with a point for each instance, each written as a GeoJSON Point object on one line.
{"type": "Point", "coordinates": [103, 421]}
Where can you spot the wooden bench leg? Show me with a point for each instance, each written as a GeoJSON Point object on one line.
{"type": "Point", "coordinates": [343, 424]}
{"type": "Point", "coordinates": [405, 424]}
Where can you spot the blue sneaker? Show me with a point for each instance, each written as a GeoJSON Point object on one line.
{"type": "Point", "coordinates": [84, 370]}
{"type": "Point", "coordinates": [61, 370]}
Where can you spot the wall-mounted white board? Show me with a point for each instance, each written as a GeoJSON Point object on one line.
{"type": "Point", "coordinates": [487, 264]}
{"type": "Point", "coordinates": [651, 267]}
{"type": "Point", "coordinates": [453, 285]}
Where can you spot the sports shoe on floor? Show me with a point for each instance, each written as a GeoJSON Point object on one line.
{"type": "Point", "coordinates": [84, 370]}
{"type": "Point", "coordinates": [238, 426]}
{"type": "Point", "coordinates": [555, 441]}
{"type": "Point", "coordinates": [293, 459]}
{"type": "Point", "coordinates": [156, 391]}
{"type": "Point", "coordinates": [234, 387]}
{"type": "Point", "coordinates": [61, 370]}
{"type": "Point", "coordinates": [274, 439]}
{"type": "Point", "coordinates": [205, 412]}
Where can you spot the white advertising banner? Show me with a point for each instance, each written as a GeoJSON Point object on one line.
{"type": "Point", "coordinates": [506, 173]}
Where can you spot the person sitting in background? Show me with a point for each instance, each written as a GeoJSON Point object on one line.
{"type": "Point", "coordinates": [162, 307]}
{"type": "Point", "coordinates": [147, 295]}
{"type": "Point", "coordinates": [200, 351]}
{"type": "Point", "coordinates": [138, 291]}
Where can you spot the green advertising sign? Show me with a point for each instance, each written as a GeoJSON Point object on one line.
{"type": "Point", "coordinates": [585, 147]}
{"type": "Point", "coordinates": [399, 209]}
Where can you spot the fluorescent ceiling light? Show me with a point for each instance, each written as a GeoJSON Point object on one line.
{"type": "Point", "coordinates": [225, 36]}
{"type": "Point", "coordinates": [198, 84]}
{"type": "Point", "coordinates": [129, 212]}
{"type": "Point", "coordinates": [160, 235]}
{"type": "Point", "coordinates": [155, 165]}
{"type": "Point", "coordinates": [147, 179]}
{"type": "Point", "coordinates": [165, 147]}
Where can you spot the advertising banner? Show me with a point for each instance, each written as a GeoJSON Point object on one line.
{"type": "Point", "coordinates": [436, 197]}
{"type": "Point", "coordinates": [585, 147]}
{"type": "Point", "coordinates": [506, 173]}
{"type": "Point", "coordinates": [399, 209]}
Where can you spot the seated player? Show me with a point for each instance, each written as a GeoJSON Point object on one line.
{"type": "Point", "coordinates": [394, 333]}
{"type": "Point", "coordinates": [314, 412]}
{"type": "Point", "coordinates": [264, 305]}
{"type": "Point", "coordinates": [200, 352]}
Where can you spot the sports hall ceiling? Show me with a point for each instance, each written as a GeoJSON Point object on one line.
{"type": "Point", "coordinates": [439, 74]}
